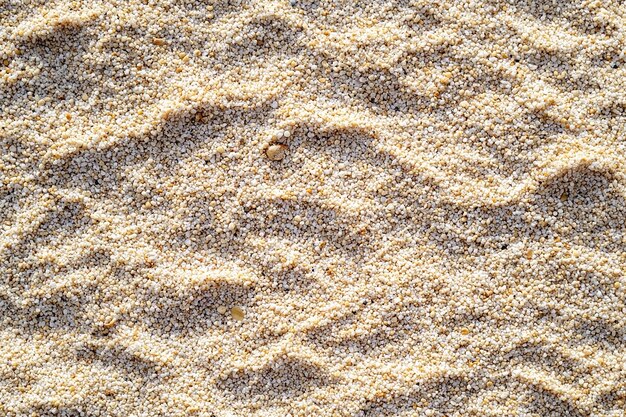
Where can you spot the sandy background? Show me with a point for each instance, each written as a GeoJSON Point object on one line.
{"type": "Point", "coordinates": [312, 208]}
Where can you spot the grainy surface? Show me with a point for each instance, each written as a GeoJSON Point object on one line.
{"type": "Point", "coordinates": [312, 208]}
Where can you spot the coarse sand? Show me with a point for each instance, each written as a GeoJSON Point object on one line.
{"type": "Point", "coordinates": [352, 208]}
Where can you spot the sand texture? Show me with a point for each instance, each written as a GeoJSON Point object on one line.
{"type": "Point", "coordinates": [348, 208]}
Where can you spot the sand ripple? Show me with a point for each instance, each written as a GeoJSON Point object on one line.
{"type": "Point", "coordinates": [445, 236]}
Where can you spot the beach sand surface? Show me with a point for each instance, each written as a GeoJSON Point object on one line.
{"type": "Point", "coordinates": [312, 208]}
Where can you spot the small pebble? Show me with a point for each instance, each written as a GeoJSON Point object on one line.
{"type": "Point", "coordinates": [276, 152]}
{"type": "Point", "coordinates": [237, 313]}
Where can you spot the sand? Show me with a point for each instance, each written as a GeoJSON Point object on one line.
{"type": "Point", "coordinates": [312, 208]}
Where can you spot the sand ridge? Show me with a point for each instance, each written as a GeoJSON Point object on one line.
{"type": "Point", "coordinates": [312, 208]}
